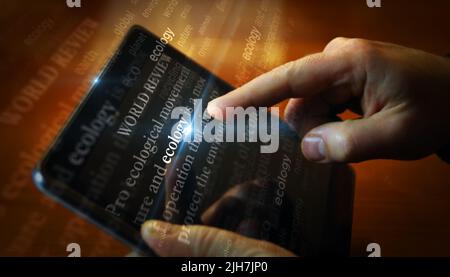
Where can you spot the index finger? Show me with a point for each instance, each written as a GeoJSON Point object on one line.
{"type": "Point", "coordinates": [301, 78]}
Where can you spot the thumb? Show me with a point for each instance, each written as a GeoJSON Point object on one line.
{"type": "Point", "coordinates": [170, 240]}
{"type": "Point", "coordinates": [351, 140]}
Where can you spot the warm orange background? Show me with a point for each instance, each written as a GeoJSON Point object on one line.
{"type": "Point", "coordinates": [403, 206]}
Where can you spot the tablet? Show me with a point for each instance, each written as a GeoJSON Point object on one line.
{"type": "Point", "coordinates": [140, 146]}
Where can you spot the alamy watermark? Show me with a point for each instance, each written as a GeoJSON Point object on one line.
{"type": "Point", "coordinates": [373, 3]}
{"type": "Point", "coordinates": [238, 125]}
{"type": "Point", "coordinates": [73, 3]}
{"type": "Point", "coordinates": [74, 250]}
{"type": "Point", "coordinates": [77, 3]}
{"type": "Point", "coordinates": [374, 249]}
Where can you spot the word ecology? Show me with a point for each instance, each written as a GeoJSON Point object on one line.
{"type": "Point", "coordinates": [241, 125]}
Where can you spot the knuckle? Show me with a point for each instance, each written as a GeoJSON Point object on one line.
{"type": "Point", "coordinates": [289, 72]}
{"type": "Point", "coordinates": [346, 143]}
{"type": "Point", "coordinates": [296, 70]}
{"type": "Point", "coordinates": [363, 48]}
{"type": "Point", "coordinates": [336, 43]}
{"type": "Point", "coordinates": [289, 68]}
{"type": "Point", "coordinates": [199, 236]}
{"type": "Point", "coordinates": [208, 241]}
{"type": "Point", "coordinates": [290, 114]}
{"type": "Point", "coordinates": [281, 71]}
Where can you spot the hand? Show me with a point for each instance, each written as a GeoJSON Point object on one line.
{"type": "Point", "coordinates": [401, 94]}
{"type": "Point", "coordinates": [206, 241]}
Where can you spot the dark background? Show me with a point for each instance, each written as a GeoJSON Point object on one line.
{"type": "Point", "coordinates": [403, 206]}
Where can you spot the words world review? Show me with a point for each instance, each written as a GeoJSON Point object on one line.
{"type": "Point", "coordinates": [213, 131]}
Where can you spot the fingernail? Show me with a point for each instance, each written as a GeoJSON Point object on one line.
{"type": "Point", "coordinates": [213, 110]}
{"type": "Point", "coordinates": [313, 148]}
{"type": "Point", "coordinates": [154, 230]}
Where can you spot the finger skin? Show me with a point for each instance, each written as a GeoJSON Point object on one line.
{"type": "Point", "coordinates": [357, 140]}
{"type": "Point", "coordinates": [401, 94]}
{"type": "Point", "coordinates": [302, 78]}
{"type": "Point", "coordinates": [171, 240]}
